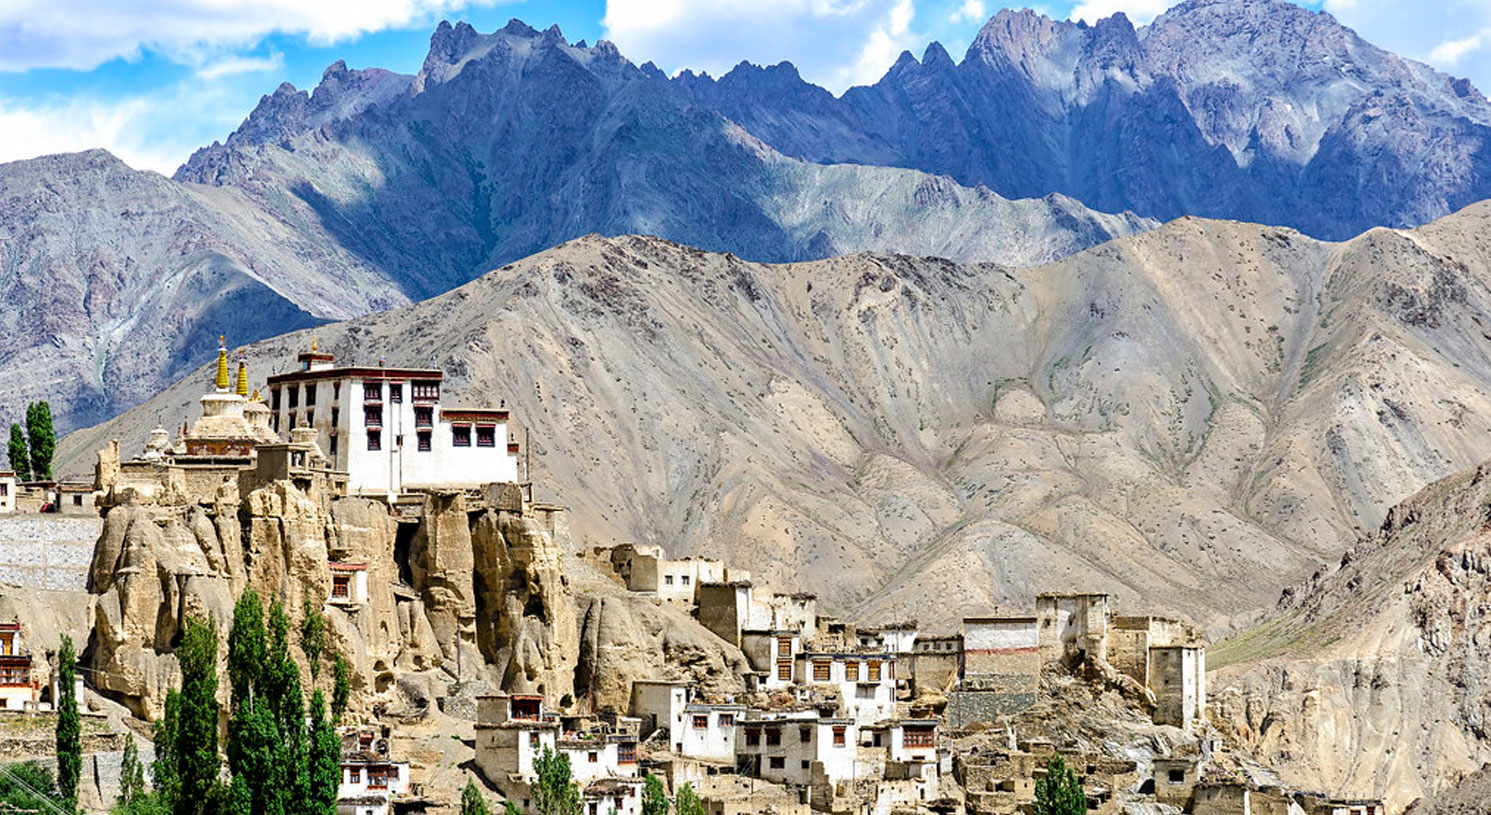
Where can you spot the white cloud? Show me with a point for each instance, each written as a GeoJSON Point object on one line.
{"type": "Point", "coordinates": [1449, 52]}
{"type": "Point", "coordinates": [28, 132]}
{"type": "Point", "coordinates": [972, 11]}
{"type": "Point", "coordinates": [1139, 12]}
{"type": "Point", "coordinates": [835, 43]}
{"type": "Point", "coordinates": [1455, 36]}
{"type": "Point", "coordinates": [232, 66]}
{"type": "Point", "coordinates": [83, 34]}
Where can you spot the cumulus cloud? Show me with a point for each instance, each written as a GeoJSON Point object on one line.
{"type": "Point", "coordinates": [232, 66]}
{"type": "Point", "coordinates": [1448, 53]}
{"type": "Point", "coordinates": [82, 34]}
{"type": "Point", "coordinates": [835, 43]}
{"type": "Point", "coordinates": [972, 11]}
{"type": "Point", "coordinates": [31, 131]}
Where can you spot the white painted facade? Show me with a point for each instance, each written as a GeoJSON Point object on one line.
{"type": "Point", "coordinates": [387, 429]}
{"type": "Point", "coordinates": [660, 705]}
{"type": "Point", "coordinates": [773, 654]}
{"type": "Point", "coordinates": [787, 750]}
{"type": "Point", "coordinates": [594, 759]}
{"type": "Point", "coordinates": [621, 796]}
{"type": "Point", "coordinates": [9, 486]}
{"type": "Point", "coordinates": [866, 682]}
{"type": "Point", "coordinates": [368, 787]}
{"type": "Point", "coordinates": [16, 689]}
{"type": "Point", "coordinates": [349, 584]}
{"type": "Point", "coordinates": [708, 731]}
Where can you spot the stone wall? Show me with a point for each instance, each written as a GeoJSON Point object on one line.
{"type": "Point", "coordinates": [967, 707]}
{"type": "Point", "coordinates": [47, 551]}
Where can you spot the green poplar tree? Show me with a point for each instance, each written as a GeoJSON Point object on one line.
{"type": "Point", "coordinates": [325, 762]}
{"type": "Point", "coordinates": [69, 736]}
{"type": "Point", "coordinates": [20, 455]}
{"type": "Point", "coordinates": [195, 751]}
{"type": "Point", "coordinates": [313, 636]}
{"type": "Point", "coordinates": [654, 797]}
{"type": "Point", "coordinates": [131, 773]}
{"type": "Point", "coordinates": [253, 734]}
{"type": "Point", "coordinates": [688, 802]}
{"type": "Point", "coordinates": [341, 689]}
{"type": "Point", "coordinates": [1058, 792]}
{"type": "Point", "coordinates": [554, 792]}
{"type": "Point", "coordinates": [41, 439]}
{"type": "Point", "coordinates": [471, 801]}
{"type": "Point", "coordinates": [165, 771]}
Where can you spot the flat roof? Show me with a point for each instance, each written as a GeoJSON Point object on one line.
{"type": "Point", "coordinates": [986, 620]}
{"type": "Point", "coordinates": [356, 372]}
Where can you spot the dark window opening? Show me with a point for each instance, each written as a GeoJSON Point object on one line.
{"type": "Point", "coordinates": [425, 391]}
{"type": "Point", "coordinates": [486, 436]}
{"type": "Point", "coordinates": [460, 435]}
{"type": "Point", "coordinates": [395, 392]}
{"type": "Point", "coordinates": [372, 415]}
{"type": "Point", "coordinates": [375, 440]}
{"type": "Point", "coordinates": [372, 391]}
{"type": "Point", "coordinates": [1177, 776]}
{"type": "Point", "coordinates": [424, 415]}
{"type": "Point", "coordinates": [274, 399]}
{"type": "Point", "coordinates": [424, 441]}
{"type": "Point", "coordinates": [310, 394]}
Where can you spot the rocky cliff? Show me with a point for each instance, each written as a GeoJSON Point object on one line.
{"type": "Point", "coordinates": [1192, 418]}
{"type": "Point", "coordinates": [1371, 678]}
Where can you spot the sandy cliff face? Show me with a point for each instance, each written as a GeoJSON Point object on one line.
{"type": "Point", "coordinates": [1372, 677]}
{"type": "Point", "coordinates": [156, 564]}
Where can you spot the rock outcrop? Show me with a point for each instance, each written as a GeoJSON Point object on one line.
{"type": "Point", "coordinates": [471, 591]}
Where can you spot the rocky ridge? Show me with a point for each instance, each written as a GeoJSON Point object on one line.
{"type": "Point", "coordinates": [1371, 675]}
{"type": "Point", "coordinates": [1191, 418]}
{"type": "Point", "coordinates": [1255, 110]}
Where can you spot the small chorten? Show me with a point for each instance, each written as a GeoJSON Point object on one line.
{"type": "Point", "coordinates": [222, 430]}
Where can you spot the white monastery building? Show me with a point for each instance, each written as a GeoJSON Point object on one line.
{"type": "Point", "coordinates": [387, 429]}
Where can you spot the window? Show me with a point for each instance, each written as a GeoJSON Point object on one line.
{"type": "Point", "coordinates": [460, 435]}
{"type": "Point", "coordinates": [805, 764]}
{"type": "Point", "coordinates": [336, 391]}
{"type": "Point", "coordinates": [395, 392]}
{"type": "Point", "coordinates": [333, 444]}
{"type": "Point", "coordinates": [784, 670]}
{"type": "Point", "coordinates": [851, 671]}
{"type": "Point", "coordinates": [626, 752]}
{"type": "Point", "coordinates": [784, 646]}
{"type": "Point", "coordinates": [310, 418]}
{"type": "Point", "coordinates": [274, 399]}
{"type": "Point", "coordinates": [667, 580]}
{"type": "Point", "coordinates": [533, 740]}
{"type": "Point", "coordinates": [864, 691]}
{"type": "Point", "coordinates": [486, 436]}
{"type": "Point", "coordinates": [874, 671]}
{"type": "Point", "coordinates": [917, 737]}
{"type": "Point", "coordinates": [372, 415]}
{"type": "Point", "coordinates": [777, 762]}
{"type": "Point", "coordinates": [341, 586]}
{"type": "Point", "coordinates": [1177, 776]}
{"type": "Point", "coordinates": [753, 737]}
{"type": "Point", "coordinates": [773, 736]}
{"type": "Point", "coordinates": [310, 394]}
{"type": "Point", "coordinates": [804, 734]}
{"type": "Point", "coordinates": [292, 420]}
{"type": "Point", "coordinates": [595, 808]}
{"type": "Point", "coordinates": [4, 488]}
{"type": "Point", "coordinates": [425, 391]}
{"type": "Point", "coordinates": [727, 720]}
{"type": "Point", "coordinates": [77, 500]}
{"type": "Point", "coordinates": [424, 441]}
{"type": "Point", "coordinates": [701, 722]}
{"type": "Point", "coordinates": [354, 775]}
{"type": "Point", "coordinates": [821, 670]}
{"type": "Point", "coordinates": [372, 391]}
{"type": "Point", "coordinates": [685, 579]}
{"type": "Point", "coordinates": [424, 416]}
{"type": "Point", "coordinates": [294, 396]}
{"type": "Point", "coordinates": [377, 778]}
{"type": "Point", "coordinates": [592, 757]}
{"type": "Point", "coordinates": [839, 732]}
{"type": "Point", "coordinates": [375, 440]}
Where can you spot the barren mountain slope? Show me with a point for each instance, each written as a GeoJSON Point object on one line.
{"type": "Point", "coordinates": [114, 279]}
{"type": "Point", "coordinates": [1372, 677]}
{"type": "Point", "coordinates": [1191, 418]}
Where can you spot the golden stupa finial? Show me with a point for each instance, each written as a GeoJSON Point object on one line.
{"type": "Point", "coordinates": [313, 345]}
{"type": "Point", "coordinates": [242, 388]}
{"type": "Point", "coordinates": [222, 363]}
{"type": "Point", "coordinates": [255, 397]}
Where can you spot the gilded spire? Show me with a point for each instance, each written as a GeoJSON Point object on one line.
{"type": "Point", "coordinates": [242, 385]}
{"type": "Point", "coordinates": [222, 363]}
{"type": "Point", "coordinates": [313, 345]}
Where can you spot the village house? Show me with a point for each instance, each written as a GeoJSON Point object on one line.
{"type": "Point", "coordinates": [17, 691]}
{"type": "Point", "coordinates": [645, 569]}
{"type": "Point", "coordinates": [370, 780]}
{"type": "Point", "coordinates": [729, 608]}
{"type": "Point", "coordinates": [793, 748]}
{"type": "Point", "coordinates": [513, 730]}
{"type": "Point", "coordinates": [1001, 669]}
{"type": "Point", "coordinates": [1072, 627]}
{"type": "Point", "coordinates": [10, 487]}
{"type": "Point", "coordinates": [349, 584]}
{"type": "Point", "coordinates": [387, 428]}
{"type": "Point", "coordinates": [772, 655]}
{"type": "Point", "coordinates": [709, 731]}
{"type": "Point", "coordinates": [865, 682]}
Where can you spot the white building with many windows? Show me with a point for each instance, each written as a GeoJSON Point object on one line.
{"type": "Point", "coordinates": [387, 429]}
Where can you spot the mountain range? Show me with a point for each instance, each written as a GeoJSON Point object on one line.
{"type": "Point", "coordinates": [378, 189]}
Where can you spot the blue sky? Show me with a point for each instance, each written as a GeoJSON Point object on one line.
{"type": "Point", "coordinates": [152, 79]}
